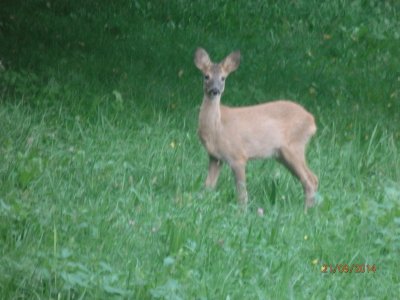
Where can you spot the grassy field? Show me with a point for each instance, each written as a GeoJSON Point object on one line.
{"type": "Point", "coordinates": [102, 172]}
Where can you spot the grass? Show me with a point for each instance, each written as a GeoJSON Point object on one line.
{"type": "Point", "coordinates": [102, 173]}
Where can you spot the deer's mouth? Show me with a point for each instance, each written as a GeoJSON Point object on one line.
{"type": "Point", "coordinates": [214, 92]}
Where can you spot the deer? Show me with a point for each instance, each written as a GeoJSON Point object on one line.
{"type": "Point", "coordinates": [279, 129]}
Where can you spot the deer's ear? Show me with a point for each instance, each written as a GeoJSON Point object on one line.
{"type": "Point", "coordinates": [201, 59]}
{"type": "Point", "coordinates": [231, 62]}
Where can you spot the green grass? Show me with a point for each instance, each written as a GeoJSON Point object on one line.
{"type": "Point", "coordinates": [101, 170]}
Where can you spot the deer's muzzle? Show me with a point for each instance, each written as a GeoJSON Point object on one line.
{"type": "Point", "coordinates": [214, 92]}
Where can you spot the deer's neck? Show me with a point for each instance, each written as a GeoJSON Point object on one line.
{"type": "Point", "coordinates": [210, 125]}
{"type": "Point", "coordinates": [210, 115]}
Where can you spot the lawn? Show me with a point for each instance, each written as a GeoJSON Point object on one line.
{"type": "Point", "coordinates": [102, 172]}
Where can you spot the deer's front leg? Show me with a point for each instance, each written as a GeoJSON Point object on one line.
{"type": "Point", "coordinates": [214, 166]}
{"type": "Point", "coordinates": [239, 170]}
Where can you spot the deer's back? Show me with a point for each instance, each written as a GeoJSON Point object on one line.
{"type": "Point", "coordinates": [261, 130]}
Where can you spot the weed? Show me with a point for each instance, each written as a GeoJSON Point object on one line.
{"type": "Point", "coordinates": [101, 170]}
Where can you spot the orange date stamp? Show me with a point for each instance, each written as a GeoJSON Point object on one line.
{"type": "Point", "coordinates": [345, 268]}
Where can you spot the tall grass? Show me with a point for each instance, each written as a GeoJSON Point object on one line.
{"type": "Point", "coordinates": [101, 170]}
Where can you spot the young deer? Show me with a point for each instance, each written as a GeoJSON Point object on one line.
{"type": "Point", "coordinates": [279, 129]}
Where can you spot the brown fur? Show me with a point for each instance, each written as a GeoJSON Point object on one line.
{"type": "Point", "coordinates": [279, 129]}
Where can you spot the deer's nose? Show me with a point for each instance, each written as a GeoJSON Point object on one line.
{"type": "Point", "coordinates": [214, 91]}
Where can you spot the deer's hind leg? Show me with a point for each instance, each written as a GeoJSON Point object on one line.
{"type": "Point", "coordinates": [294, 160]}
{"type": "Point", "coordinates": [239, 171]}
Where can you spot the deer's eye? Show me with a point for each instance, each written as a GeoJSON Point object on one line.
{"type": "Point", "coordinates": [222, 78]}
{"type": "Point", "coordinates": [206, 77]}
